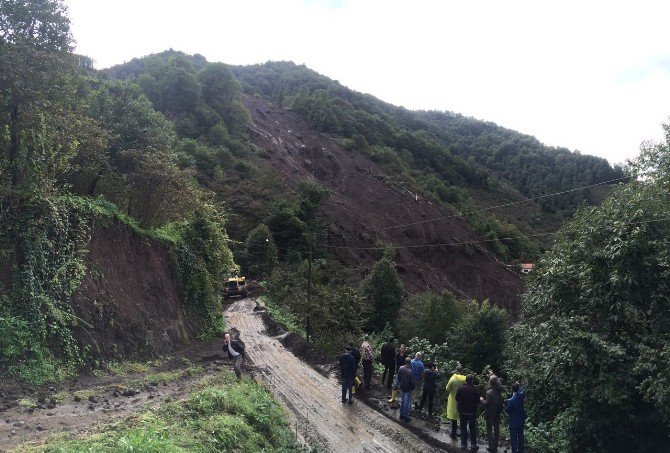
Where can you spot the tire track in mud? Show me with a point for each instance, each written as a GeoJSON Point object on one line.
{"type": "Point", "coordinates": [313, 400]}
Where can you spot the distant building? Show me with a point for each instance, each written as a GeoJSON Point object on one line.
{"type": "Point", "coordinates": [526, 268]}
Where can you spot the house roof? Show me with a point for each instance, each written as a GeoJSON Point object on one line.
{"type": "Point", "coordinates": [528, 266]}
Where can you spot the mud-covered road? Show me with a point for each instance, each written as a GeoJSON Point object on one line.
{"type": "Point", "coordinates": [313, 400]}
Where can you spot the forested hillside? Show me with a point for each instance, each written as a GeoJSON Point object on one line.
{"type": "Point", "coordinates": [444, 144]}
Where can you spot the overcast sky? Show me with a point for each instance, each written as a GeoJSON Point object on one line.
{"type": "Point", "coordinates": [588, 75]}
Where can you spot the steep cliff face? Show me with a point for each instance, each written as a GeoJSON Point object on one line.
{"type": "Point", "coordinates": [130, 300]}
{"type": "Point", "coordinates": [365, 202]}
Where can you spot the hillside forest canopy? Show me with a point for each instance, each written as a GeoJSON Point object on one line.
{"type": "Point", "coordinates": [161, 145]}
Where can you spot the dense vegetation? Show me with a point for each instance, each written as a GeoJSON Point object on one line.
{"type": "Point", "coordinates": [65, 138]}
{"type": "Point", "coordinates": [593, 340]}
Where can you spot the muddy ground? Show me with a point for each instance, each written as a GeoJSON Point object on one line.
{"type": "Point", "coordinates": [31, 414]}
{"type": "Point", "coordinates": [312, 395]}
{"type": "Point", "coordinates": [301, 378]}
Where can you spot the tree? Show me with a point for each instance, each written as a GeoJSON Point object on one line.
{"type": "Point", "coordinates": [430, 316]}
{"type": "Point", "coordinates": [261, 252]}
{"type": "Point", "coordinates": [158, 191]}
{"type": "Point", "coordinates": [479, 338]}
{"type": "Point", "coordinates": [39, 91]}
{"type": "Point", "coordinates": [592, 344]}
{"type": "Point", "coordinates": [383, 291]}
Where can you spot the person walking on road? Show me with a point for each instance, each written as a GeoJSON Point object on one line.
{"type": "Point", "coordinates": [400, 358]}
{"type": "Point", "coordinates": [235, 349]}
{"type": "Point", "coordinates": [347, 375]}
{"type": "Point", "coordinates": [517, 417]}
{"type": "Point", "coordinates": [455, 382]}
{"type": "Point", "coordinates": [468, 400]}
{"type": "Point", "coordinates": [368, 358]}
{"type": "Point", "coordinates": [417, 370]}
{"type": "Point", "coordinates": [406, 385]}
{"type": "Point", "coordinates": [388, 360]}
{"type": "Point", "coordinates": [430, 377]}
{"type": "Point", "coordinates": [493, 405]}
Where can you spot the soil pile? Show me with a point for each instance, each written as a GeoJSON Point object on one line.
{"type": "Point", "coordinates": [365, 201]}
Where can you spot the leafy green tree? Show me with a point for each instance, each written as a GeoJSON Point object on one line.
{"type": "Point", "coordinates": [40, 87]}
{"type": "Point", "coordinates": [430, 316]}
{"type": "Point", "coordinates": [479, 338]}
{"type": "Point", "coordinates": [592, 342]}
{"type": "Point", "coordinates": [204, 261]}
{"type": "Point", "coordinates": [383, 290]}
{"type": "Point", "coordinates": [158, 190]}
{"type": "Point", "coordinates": [261, 252]}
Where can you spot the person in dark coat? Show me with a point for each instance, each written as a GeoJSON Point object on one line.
{"type": "Point", "coordinates": [468, 400]}
{"type": "Point", "coordinates": [357, 355]}
{"type": "Point", "coordinates": [406, 384]}
{"type": "Point", "coordinates": [388, 360]}
{"type": "Point", "coordinates": [430, 377]}
{"type": "Point", "coordinates": [493, 405]}
{"type": "Point", "coordinates": [400, 357]}
{"type": "Point", "coordinates": [347, 374]}
{"type": "Point", "coordinates": [235, 350]}
{"type": "Point", "coordinates": [517, 417]}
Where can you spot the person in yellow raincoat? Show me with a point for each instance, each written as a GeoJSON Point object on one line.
{"type": "Point", "coordinates": [453, 385]}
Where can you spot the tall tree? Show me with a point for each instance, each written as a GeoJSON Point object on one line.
{"type": "Point", "coordinates": [383, 290]}
{"type": "Point", "coordinates": [39, 91]}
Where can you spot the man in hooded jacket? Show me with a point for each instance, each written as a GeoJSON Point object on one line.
{"type": "Point", "coordinates": [493, 406]}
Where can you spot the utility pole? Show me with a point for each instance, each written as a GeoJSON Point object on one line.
{"type": "Point", "coordinates": [309, 285]}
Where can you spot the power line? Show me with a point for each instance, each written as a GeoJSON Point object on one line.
{"type": "Point", "coordinates": [508, 204]}
{"type": "Point", "coordinates": [448, 244]}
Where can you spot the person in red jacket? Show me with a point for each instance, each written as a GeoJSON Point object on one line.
{"type": "Point", "coordinates": [468, 400]}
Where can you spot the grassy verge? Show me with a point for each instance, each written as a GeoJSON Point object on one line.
{"type": "Point", "coordinates": [221, 414]}
{"type": "Point", "coordinates": [283, 317]}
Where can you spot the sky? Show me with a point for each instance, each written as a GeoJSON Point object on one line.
{"type": "Point", "coordinates": [592, 76]}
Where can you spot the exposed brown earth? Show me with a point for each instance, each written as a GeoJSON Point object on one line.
{"type": "Point", "coordinates": [363, 202]}
{"type": "Point", "coordinates": [130, 299]}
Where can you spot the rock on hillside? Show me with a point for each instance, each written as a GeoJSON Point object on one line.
{"type": "Point", "coordinates": [363, 202]}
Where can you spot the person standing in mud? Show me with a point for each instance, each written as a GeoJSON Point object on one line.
{"type": "Point", "coordinates": [357, 358]}
{"type": "Point", "coordinates": [517, 417]}
{"type": "Point", "coordinates": [467, 398]}
{"type": "Point", "coordinates": [406, 385]}
{"type": "Point", "coordinates": [453, 385]}
{"type": "Point", "coordinates": [400, 358]}
{"type": "Point", "coordinates": [347, 375]}
{"type": "Point", "coordinates": [367, 362]}
{"type": "Point", "coordinates": [235, 349]}
{"type": "Point", "coordinates": [388, 360]}
{"type": "Point", "coordinates": [430, 377]}
{"type": "Point", "coordinates": [417, 370]}
{"type": "Point", "coordinates": [493, 405]}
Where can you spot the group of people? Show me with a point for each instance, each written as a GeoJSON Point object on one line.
{"type": "Point", "coordinates": [415, 381]}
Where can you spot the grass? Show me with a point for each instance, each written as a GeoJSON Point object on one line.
{"type": "Point", "coordinates": [284, 317]}
{"type": "Point", "coordinates": [28, 403]}
{"type": "Point", "coordinates": [221, 414]}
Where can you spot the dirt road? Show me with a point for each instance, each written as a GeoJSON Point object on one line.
{"type": "Point", "coordinates": [313, 400]}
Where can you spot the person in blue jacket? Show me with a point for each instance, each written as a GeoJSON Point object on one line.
{"type": "Point", "coordinates": [517, 417]}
